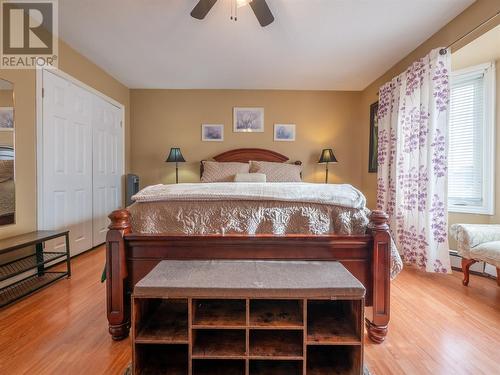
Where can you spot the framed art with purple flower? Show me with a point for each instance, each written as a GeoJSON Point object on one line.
{"type": "Point", "coordinates": [248, 120]}
{"type": "Point", "coordinates": [284, 132]}
{"type": "Point", "coordinates": [372, 161]}
{"type": "Point", "coordinates": [212, 133]}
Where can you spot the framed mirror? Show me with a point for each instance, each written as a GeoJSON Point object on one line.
{"type": "Point", "coordinates": [7, 154]}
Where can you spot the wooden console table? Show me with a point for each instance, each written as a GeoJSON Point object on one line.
{"type": "Point", "coordinates": [248, 318]}
{"type": "Point", "coordinates": [37, 261]}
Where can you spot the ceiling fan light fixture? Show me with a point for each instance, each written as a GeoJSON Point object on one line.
{"type": "Point", "coordinates": [259, 7]}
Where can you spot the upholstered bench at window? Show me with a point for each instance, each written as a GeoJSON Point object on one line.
{"type": "Point", "coordinates": [477, 242]}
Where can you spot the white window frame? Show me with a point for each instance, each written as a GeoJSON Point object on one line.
{"type": "Point", "coordinates": [489, 141]}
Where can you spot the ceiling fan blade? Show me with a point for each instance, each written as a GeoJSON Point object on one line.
{"type": "Point", "coordinates": [202, 8]}
{"type": "Point", "coordinates": [262, 12]}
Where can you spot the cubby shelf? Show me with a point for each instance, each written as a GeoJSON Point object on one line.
{"type": "Point", "coordinates": [154, 359]}
{"type": "Point", "coordinates": [275, 367]}
{"type": "Point", "coordinates": [276, 344]}
{"type": "Point", "coordinates": [166, 324]}
{"type": "Point", "coordinates": [333, 323]}
{"type": "Point", "coordinates": [247, 336]}
{"type": "Point", "coordinates": [333, 360]}
{"type": "Point", "coordinates": [276, 314]}
{"type": "Point", "coordinates": [219, 344]}
{"type": "Point", "coordinates": [219, 314]}
{"type": "Point", "coordinates": [218, 367]}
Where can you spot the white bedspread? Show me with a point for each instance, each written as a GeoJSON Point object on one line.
{"type": "Point", "coordinates": [253, 208]}
{"type": "Point", "coordinates": [342, 195]}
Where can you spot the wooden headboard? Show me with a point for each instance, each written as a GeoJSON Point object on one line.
{"type": "Point", "coordinates": [244, 155]}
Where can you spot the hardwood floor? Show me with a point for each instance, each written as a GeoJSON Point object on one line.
{"type": "Point", "coordinates": [437, 327]}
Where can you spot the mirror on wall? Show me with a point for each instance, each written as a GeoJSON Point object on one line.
{"type": "Point", "coordinates": [7, 154]}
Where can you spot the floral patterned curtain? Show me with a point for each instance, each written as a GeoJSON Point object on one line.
{"type": "Point", "coordinates": [412, 161]}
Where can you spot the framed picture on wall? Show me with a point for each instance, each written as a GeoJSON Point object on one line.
{"type": "Point", "coordinates": [212, 133]}
{"type": "Point", "coordinates": [284, 132]}
{"type": "Point", "coordinates": [248, 120]}
{"type": "Point", "coordinates": [6, 118]}
{"type": "Point", "coordinates": [372, 161]}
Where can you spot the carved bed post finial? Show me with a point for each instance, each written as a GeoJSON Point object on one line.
{"type": "Point", "coordinates": [379, 220]}
{"type": "Point", "coordinates": [120, 220]}
{"type": "Point", "coordinates": [116, 273]}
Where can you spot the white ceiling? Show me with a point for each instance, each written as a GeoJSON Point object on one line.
{"type": "Point", "coordinates": [312, 44]}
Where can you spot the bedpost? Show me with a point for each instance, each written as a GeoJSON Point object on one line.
{"type": "Point", "coordinates": [116, 273]}
{"type": "Point", "coordinates": [381, 265]}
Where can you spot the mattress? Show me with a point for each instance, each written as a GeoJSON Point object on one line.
{"type": "Point", "coordinates": [250, 208]}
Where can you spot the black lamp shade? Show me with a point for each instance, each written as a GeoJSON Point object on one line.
{"type": "Point", "coordinates": [175, 156]}
{"type": "Point", "coordinates": [327, 156]}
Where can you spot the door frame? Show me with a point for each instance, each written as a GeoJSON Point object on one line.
{"type": "Point", "coordinates": [39, 132]}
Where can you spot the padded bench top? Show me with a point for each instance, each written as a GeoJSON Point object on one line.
{"type": "Point", "coordinates": [249, 279]}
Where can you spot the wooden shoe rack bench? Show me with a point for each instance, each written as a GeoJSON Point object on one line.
{"type": "Point", "coordinates": [14, 271]}
{"type": "Point", "coordinates": [248, 318]}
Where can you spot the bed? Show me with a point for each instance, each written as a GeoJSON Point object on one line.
{"type": "Point", "coordinates": [197, 221]}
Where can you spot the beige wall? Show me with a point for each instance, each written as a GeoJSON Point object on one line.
{"type": "Point", "coordinates": [6, 138]}
{"type": "Point", "coordinates": [463, 23]}
{"type": "Point", "coordinates": [6, 98]}
{"type": "Point", "coordinates": [161, 119]}
{"type": "Point", "coordinates": [24, 82]}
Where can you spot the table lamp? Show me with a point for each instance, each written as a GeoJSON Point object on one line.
{"type": "Point", "coordinates": [176, 157]}
{"type": "Point", "coordinates": [326, 157]}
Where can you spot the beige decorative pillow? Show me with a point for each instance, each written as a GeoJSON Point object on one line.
{"type": "Point", "coordinates": [277, 172]}
{"type": "Point", "coordinates": [214, 171]}
{"type": "Point", "coordinates": [250, 177]}
{"type": "Point", "coordinates": [6, 170]}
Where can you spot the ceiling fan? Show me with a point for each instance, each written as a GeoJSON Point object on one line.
{"type": "Point", "coordinates": [259, 7]}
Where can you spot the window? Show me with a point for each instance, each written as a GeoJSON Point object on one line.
{"type": "Point", "coordinates": [471, 153]}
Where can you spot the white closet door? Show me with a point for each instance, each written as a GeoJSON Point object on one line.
{"type": "Point", "coordinates": [107, 164]}
{"type": "Point", "coordinates": [67, 162]}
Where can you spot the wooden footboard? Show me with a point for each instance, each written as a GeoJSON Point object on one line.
{"type": "Point", "coordinates": [131, 256]}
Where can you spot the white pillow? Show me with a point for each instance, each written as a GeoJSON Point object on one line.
{"type": "Point", "coordinates": [214, 171]}
{"type": "Point", "coordinates": [250, 177]}
{"type": "Point", "coordinates": [277, 172]}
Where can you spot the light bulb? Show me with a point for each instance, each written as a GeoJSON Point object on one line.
{"type": "Point", "coordinates": [242, 3]}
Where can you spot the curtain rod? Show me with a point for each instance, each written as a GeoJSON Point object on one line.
{"type": "Point", "coordinates": [442, 51]}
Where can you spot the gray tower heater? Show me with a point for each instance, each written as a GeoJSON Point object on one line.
{"type": "Point", "coordinates": [132, 187]}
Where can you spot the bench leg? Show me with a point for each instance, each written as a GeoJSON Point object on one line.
{"type": "Point", "coordinates": [39, 259]}
{"type": "Point", "coordinates": [466, 263]}
{"type": "Point", "coordinates": [68, 256]}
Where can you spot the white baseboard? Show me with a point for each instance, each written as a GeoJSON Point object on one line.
{"type": "Point", "coordinates": [456, 261]}
{"type": "Point", "coordinates": [490, 270]}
